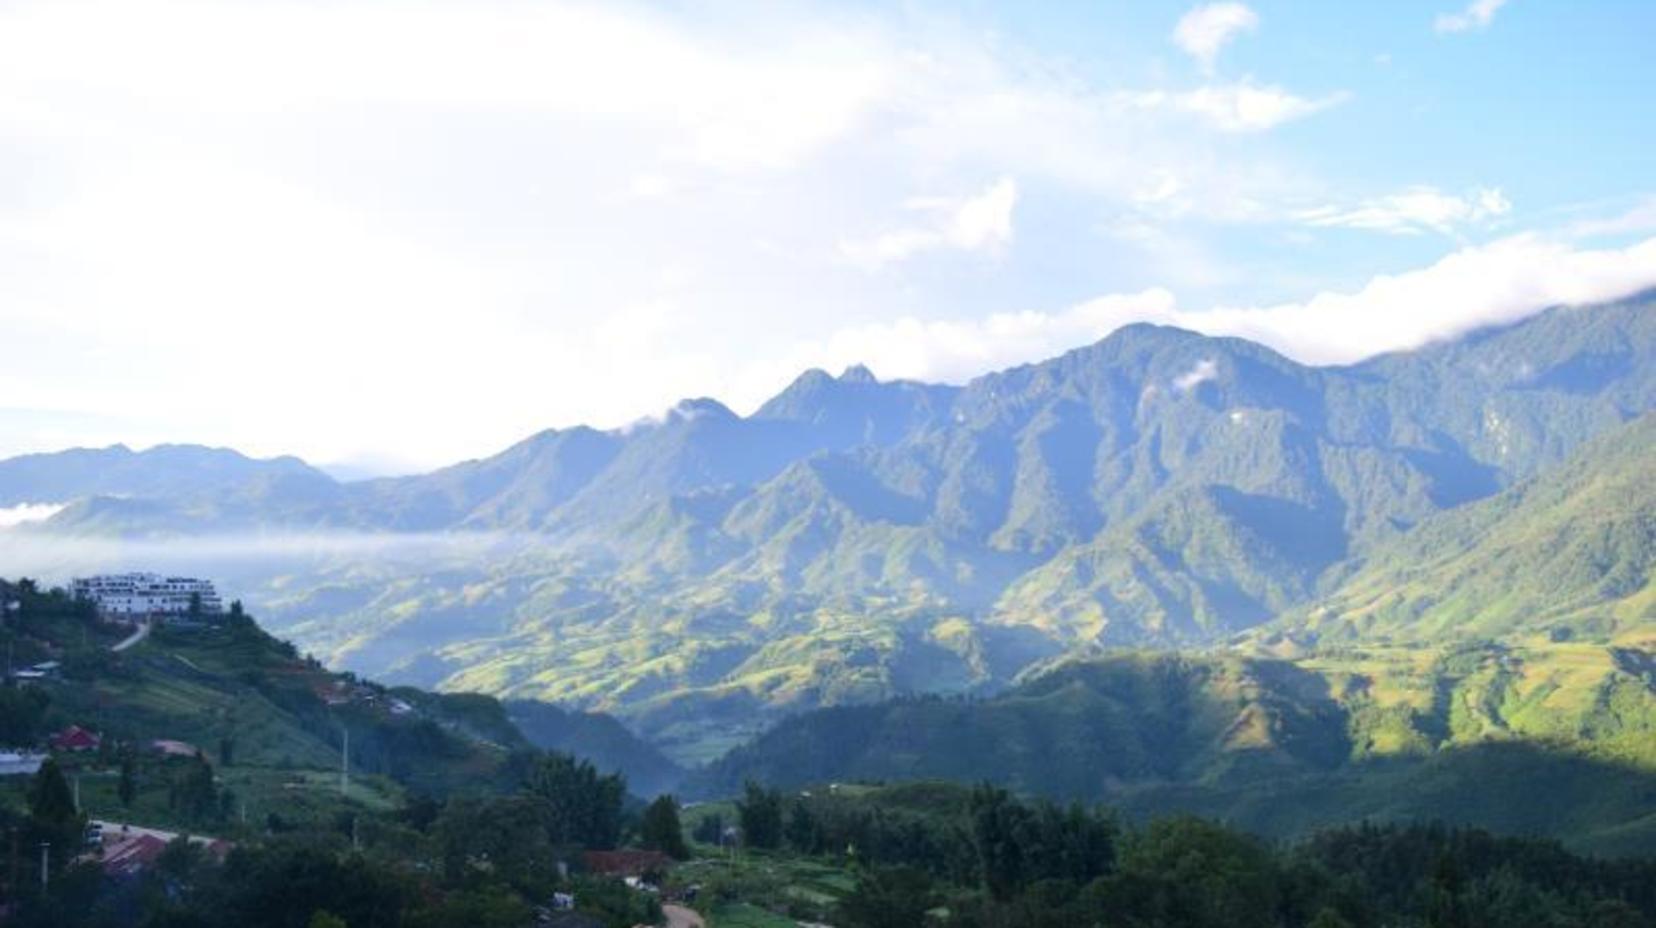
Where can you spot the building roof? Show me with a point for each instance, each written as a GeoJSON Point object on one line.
{"type": "Point", "coordinates": [174, 748]}
{"type": "Point", "coordinates": [626, 862]}
{"type": "Point", "coordinates": [126, 855]}
{"type": "Point", "coordinates": [75, 738]}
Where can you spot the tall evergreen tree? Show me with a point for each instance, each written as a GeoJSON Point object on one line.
{"type": "Point", "coordinates": [761, 813]}
{"type": "Point", "coordinates": [127, 787]}
{"type": "Point", "coordinates": [50, 801]}
{"type": "Point", "coordinates": [661, 829]}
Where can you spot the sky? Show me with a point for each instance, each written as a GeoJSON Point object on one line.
{"type": "Point", "coordinates": [386, 236]}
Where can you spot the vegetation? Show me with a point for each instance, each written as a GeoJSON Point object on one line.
{"type": "Point", "coordinates": [944, 855]}
{"type": "Point", "coordinates": [660, 829]}
{"type": "Point", "coordinates": [1464, 734]}
{"type": "Point", "coordinates": [450, 817]}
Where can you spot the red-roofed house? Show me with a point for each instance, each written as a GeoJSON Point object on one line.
{"type": "Point", "coordinates": [75, 738]}
{"type": "Point", "coordinates": [128, 855]}
{"type": "Point", "coordinates": [626, 863]}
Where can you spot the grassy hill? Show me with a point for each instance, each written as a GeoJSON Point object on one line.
{"type": "Point", "coordinates": [1460, 734]}
{"type": "Point", "coordinates": [1572, 552]}
{"type": "Point", "coordinates": [272, 722]}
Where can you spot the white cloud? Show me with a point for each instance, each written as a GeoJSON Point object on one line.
{"type": "Point", "coordinates": [1413, 211]}
{"type": "Point", "coordinates": [1240, 107]}
{"type": "Point", "coordinates": [1205, 30]}
{"type": "Point", "coordinates": [11, 516]}
{"type": "Point", "coordinates": [1473, 287]}
{"type": "Point", "coordinates": [956, 350]}
{"type": "Point", "coordinates": [981, 223]}
{"type": "Point", "coordinates": [1201, 372]}
{"type": "Point", "coordinates": [1477, 15]}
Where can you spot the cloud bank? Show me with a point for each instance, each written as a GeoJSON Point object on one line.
{"type": "Point", "coordinates": [1413, 211]}
{"type": "Point", "coordinates": [1472, 287]}
{"type": "Point", "coordinates": [11, 516]}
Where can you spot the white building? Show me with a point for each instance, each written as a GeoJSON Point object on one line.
{"type": "Point", "coordinates": [131, 596]}
{"type": "Point", "coordinates": [20, 763]}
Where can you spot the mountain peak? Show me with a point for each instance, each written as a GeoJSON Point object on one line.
{"type": "Point", "coordinates": [700, 407]}
{"type": "Point", "coordinates": [858, 373]}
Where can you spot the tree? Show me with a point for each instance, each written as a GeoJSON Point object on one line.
{"type": "Point", "coordinates": [193, 791]}
{"type": "Point", "coordinates": [22, 709]}
{"type": "Point", "coordinates": [801, 831]}
{"type": "Point", "coordinates": [761, 813]}
{"type": "Point", "coordinates": [710, 830]}
{"type": "Point", "coordinates": [661, 830]}
{"type": "Point", "coordinates": [1191, 872]}
{"type": "Point", "coordinates": [50, 801]}
{"type": "Point", "coordinates": [895, 898]}
{"type": "Point", "coordinates": [1443, 907]}
{"type": "Point", "coordinates": [1329, 918]}
{"type": "Point", "coordinates": [999, 824]}
{"type": "Point", "coordinates": [504, 836]}
{"type": "Point", "coordinates": [127, 788]}
{"type": "Point", "coordinates": [583, 806]}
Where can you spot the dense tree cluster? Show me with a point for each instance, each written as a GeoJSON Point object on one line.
{"type": "Point", "coordinates": [486, 859]}
{"type": "Point", "coordinates": [1038, 865]}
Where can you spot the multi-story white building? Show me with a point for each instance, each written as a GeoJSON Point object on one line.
{"type": "Point", "coordinates": [132, 596]}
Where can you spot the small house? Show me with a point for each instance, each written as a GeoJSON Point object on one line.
{"type": "Point", "coordinates": [129, 855]}
{"type": "Point", "coordinates": [76, 739]}
{"type": "Point", "coordinates": [20, 763]}
{"type": "Point", "coordinates": [169, 748]}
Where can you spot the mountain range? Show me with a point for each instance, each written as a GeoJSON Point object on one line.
{"type": "Point", "coordinates": [703, 574]}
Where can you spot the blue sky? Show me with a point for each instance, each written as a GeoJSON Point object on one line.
{"type": "Point", "coordinates": [387, 236]}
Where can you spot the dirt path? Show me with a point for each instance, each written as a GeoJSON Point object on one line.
{"type": "Point", "coordinates": [680, 917]}
{"type": "Point", "coordinates": [132, 639]}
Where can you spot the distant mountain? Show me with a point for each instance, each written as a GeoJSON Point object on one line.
{"type": "Point", "coordinates": [704, 573]}
{"type": "Point", "coordinates": [162, 471]}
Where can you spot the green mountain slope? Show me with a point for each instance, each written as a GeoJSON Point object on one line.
{"type": "Point", "coordinates": [1402, 734]}
{"type": "Point", "coordinates": [598, 738]}
{"type": "Point", "coordinates": [275, 721]}
{"type": "Point", "coordinates": [1572, 551]}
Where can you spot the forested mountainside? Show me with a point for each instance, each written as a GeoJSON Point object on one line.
{"type": "Point", "coordinates": [1570, 553]}
{"type": "Point", "coordinates": [1465, 734]}
{"type": "Point", "coordinates": [701, 574]}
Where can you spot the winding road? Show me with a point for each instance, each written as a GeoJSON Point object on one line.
{"type": "Point", "coordinates": [132, 639]}
{"type": "Point", "coordinates": [680, 917]}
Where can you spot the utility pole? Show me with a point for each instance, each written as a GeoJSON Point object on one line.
{"type": "Point", "coordinates": [45, 865]}
{"type": "Point", "coordinates": [345, 763]}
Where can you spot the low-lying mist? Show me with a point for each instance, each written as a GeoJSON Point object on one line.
{"type": "Point", "coordinates": [55, 558]}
